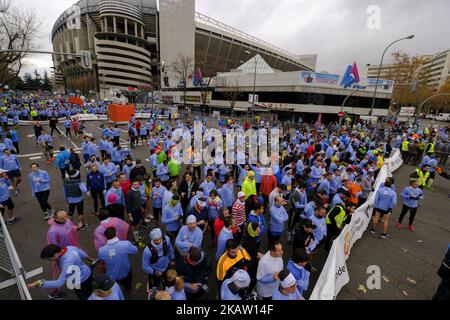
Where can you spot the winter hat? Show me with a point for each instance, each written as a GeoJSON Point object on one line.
{"type": "Point", "coordinates": [241, 278]}
{"type": "Point", "coordinates": [155, 234]}
{"type": "Point", "coordinates": [112, 198]}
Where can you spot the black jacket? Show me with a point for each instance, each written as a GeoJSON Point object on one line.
{"type": "Point", "coordinates": [116, 210]}
{"type": "Point", "coordinates": [183, 188]}
{"type": "Point", "coordinates": [301, 237]}
{"type": "Point", "coordinates": [75, 161]}
{"type": "Point", "coordinates": [198, 273]}
{"type": "Point", "coordinates": [135, 172]}
{"type": "Point", "coordinates": [251, 246]}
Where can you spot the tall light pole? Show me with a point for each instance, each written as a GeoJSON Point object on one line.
{"type": "Point", "coordinates": [379, 70]}
{"type": "Point", "coordinates": [254, 82]}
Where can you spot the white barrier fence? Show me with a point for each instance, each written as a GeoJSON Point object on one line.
{"type": "Point", "coordinates": [10, 263]}
{"type": "Point", "coordinates": [334, 275]}
{"type": "Point", "coordinates": [93, 117]}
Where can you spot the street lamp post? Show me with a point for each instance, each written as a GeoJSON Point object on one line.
{"type": "Point", "coordinates": [345, 100]}
{"type": "Point", "coordinates": [379, 70]}
{"type": "Point", "coordinates": [254, 82]}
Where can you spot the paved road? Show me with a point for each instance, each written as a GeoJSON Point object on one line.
{"type": "Point", "coordinates": [419, 263]}
{"type": "Point", "coordinates": [408, 261]}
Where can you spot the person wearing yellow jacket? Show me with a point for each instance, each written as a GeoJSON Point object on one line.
{"type": "Point", "coordinates": [380, 160]}
{"type": "Point", "coordinates": [249, 185]}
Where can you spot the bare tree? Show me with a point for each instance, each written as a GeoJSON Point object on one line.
{"type": "Point", "coordinates": [4, 5]}
{"type": "Point", "coordinates": [407, 69]}
{"type": "Point", "coordinates": [204, 92]}
{"type": "Point", "coordinates": [232, 94]}
{"type": "Point", "coordinates": [18, 30]}
{"type": "Point", "coordinates": [183, 67]}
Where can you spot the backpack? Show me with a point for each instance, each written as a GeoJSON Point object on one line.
{"type": "Point", "coordinates": [154, 258]}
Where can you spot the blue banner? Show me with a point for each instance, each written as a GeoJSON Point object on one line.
{"type": "Point", "coordinates": [307, 77]}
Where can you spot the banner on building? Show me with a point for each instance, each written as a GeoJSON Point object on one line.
{"type": "Point", "coordinates": [334, 275]}
{"type": "Point", "coordinates": [307, 77]}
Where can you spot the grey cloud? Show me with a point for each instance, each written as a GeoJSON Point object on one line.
{"type": "Point", "coordinates": [334, 29]}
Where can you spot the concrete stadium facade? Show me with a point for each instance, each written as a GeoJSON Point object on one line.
{"type": "Point", "coordinates": [129, 42]}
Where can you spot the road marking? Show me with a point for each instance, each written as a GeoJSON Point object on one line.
{"type": "Point", "coordinates": [77, 150]}
{"type": "Point", "coordinates": [73, 144]}
{"type": "Point", "coordinates": [30, 136]}
{"type": "Point", "coordinates": [35, 158]}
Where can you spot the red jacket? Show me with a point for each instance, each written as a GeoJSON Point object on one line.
{"type": "Point", "coordinates": [218, 225]}
{"type": "Point", "coordinates": [310, 151]}
{"type": "Point", "coordinates": [268, 184]}
{"type": "Point", "coordinates": [125, 187]}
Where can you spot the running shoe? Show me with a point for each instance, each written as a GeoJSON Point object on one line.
{"type": "Point", "coordinates": [399, 226]}
{"type": "Point", "coordinates": [384, 235]}
{"type": "Point", "coordinates": [13, 221]}
{"type": "Point", "coordinates": [58, 296]}
{"type": "Point", "coordinates": [83, 227]}
{"type": "Point", "coordinates": [411, 228]}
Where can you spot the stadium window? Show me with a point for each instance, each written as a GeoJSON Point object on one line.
{"type": "Point", "coordinates": [120, 25]}
{"type": "Point", "coordinates": [131, 29]}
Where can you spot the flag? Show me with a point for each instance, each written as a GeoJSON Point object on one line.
{"type": "Point", "coordinates": [348, 80]}
{"type": "Point", "coordinates": [355, 72]}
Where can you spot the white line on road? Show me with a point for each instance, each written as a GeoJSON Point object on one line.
{"type": "Point", "coordinates": [77, 150]}
{"type": "Point", "coordinates": [35, 158]}
{"type": "Point", "coordinates": [30, 136]}
{"type": "Point", "coordinates": [73, 144]}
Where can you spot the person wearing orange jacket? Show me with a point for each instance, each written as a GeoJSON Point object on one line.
{"type": "Point", "coordinates": [354, 190]}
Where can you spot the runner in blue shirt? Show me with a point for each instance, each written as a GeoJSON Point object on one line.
{"type": "Point", "coordinates": [114, 255]}
{"type": "Point", "coordinates": [70, 261]}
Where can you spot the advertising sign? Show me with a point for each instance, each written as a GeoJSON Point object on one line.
{"type": "Point", "coordinates": [383, 85]}
{"type": "Point", "coordinates": [307, 77]}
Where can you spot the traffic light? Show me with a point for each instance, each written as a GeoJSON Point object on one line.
{"type": "Point", "coordinates": [86, 59]}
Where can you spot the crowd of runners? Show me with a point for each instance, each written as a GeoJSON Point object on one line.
{"type": "Point", "coordinates": [325, 172]}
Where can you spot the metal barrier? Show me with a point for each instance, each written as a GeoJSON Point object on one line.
{"type": "Point", "coordinates": [10, 263]}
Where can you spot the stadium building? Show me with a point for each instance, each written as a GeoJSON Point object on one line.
{"type": "Point", "coordinates": [135, 43]}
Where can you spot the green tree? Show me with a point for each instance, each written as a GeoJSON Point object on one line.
{"type": "Point", "coordinates": [46, 85]}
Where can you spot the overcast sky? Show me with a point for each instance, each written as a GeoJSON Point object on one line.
{"type": "Point", "coordinates": [334, 29]}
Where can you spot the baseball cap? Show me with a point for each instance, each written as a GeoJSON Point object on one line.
{"type": "Point", "coordinates": [241, 194]}
{"type": "Point", "coordinates": [300, 255]}
{"type": "Point", "coordinates": [102, 282]}
{"type": "Point", "coordinates": [308, 224]}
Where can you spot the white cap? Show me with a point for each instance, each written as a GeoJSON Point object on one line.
{"type": "Point", "coordinates": [240, 195]}
{"type": "Point", "coordinates": [241, 278]}
{"type": "Point", "coordinates": [191, 219]}
{"type": "Point", "coordinates": [289, 281]}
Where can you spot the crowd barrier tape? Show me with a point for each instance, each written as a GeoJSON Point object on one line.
{"type": "Point", "coordinates": [334, 275]}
